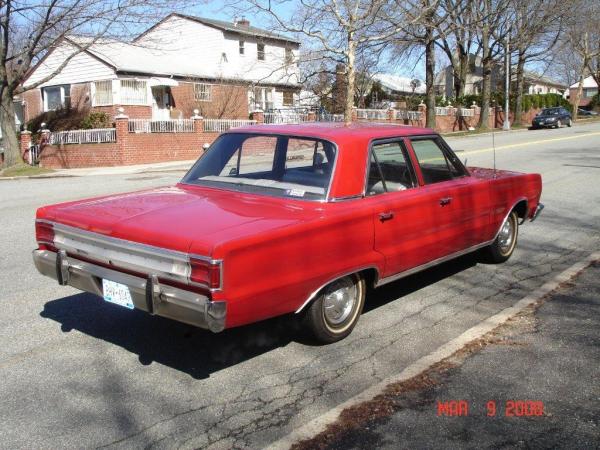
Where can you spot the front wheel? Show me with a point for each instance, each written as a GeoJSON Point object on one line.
{"type": "Point", "coordinates": [504, 245]}
{"type": "Point", "coordinates": [335, 312]}
{"type": "Point", "coordinates": [570, 123]}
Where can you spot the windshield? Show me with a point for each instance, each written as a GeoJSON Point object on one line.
{"type": "Point", "coordinates": [283, 166]}
{"type": "Point", "coordinates": [550, 112]}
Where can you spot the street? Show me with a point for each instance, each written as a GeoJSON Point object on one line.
{"type": "Point", "coordinates": [78, 372]}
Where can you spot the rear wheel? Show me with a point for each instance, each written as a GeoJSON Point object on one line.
{"type": "Point", "coordinates": [570, 123]}
{"type": "Point", "coordinates": [504, 245]}
{"type": "Point", "coordinates": [335, 312]}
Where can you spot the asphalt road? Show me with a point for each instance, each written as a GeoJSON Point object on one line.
{"type": "Point", "coordinates": [534, 385]}
{"type": "Point", "coordinates": [77, 372]}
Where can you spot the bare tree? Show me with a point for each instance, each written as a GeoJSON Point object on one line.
{"type": "Point", "coordinates": [494, 25]}
{"type": "Point", "coordinates": [583, 37]}
{"type": "Point", "coordinates": [458, 39]}
{"type": "Point", "coordinates": [340, 29]}
{"type": "Point", "coordinates": [535, 30]}
{"type": "Point", "coordinates": [28, 30]}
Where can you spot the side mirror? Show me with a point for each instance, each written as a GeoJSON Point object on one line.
{"type": "Point", "coordinates": [233, 171]}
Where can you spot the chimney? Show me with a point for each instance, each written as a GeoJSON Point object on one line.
{"type": "Point", "coordinates": [243, 23]}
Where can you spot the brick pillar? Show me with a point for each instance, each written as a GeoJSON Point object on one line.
{"type": "Point", "coordinates": [391, 115]}
{"type": "Point", "coordinates": [422, 108]}
{"type": "Point", "coordinates": [198, 122]}
{"type": "Point", "coordinates": [354, 114]}
{"type": "Point", "coordinates": [259, 116]}
{"type": "Point", "coordinates": [25, 143]}
{"type": "Point", "coordinates": [312, 116]}
{"type": "Point", "coordinates": [122, 132]}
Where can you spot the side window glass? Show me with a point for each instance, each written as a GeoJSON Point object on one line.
{"type": "Point", "coordinates": [435, 166]}
{"type": "Point", "coordinates": [389, 170]}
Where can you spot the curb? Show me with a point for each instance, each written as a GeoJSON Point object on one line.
{"type": "Point", "coordinates": [34, 177]}
{"type": "Point", "coordinates": [319, 424]}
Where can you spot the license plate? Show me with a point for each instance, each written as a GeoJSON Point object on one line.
{"type": "Point", "coordinates": [117, 293]}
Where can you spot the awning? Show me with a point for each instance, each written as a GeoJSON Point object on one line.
{"type": "Point", "coordinates": [161, 81]}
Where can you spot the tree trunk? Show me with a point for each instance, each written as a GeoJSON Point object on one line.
{"type": "Point", "coordinates": [486, 85]}
{"type": "Point", "coordinates": [519, 88]}
{"type": "Point", "coordinates": [578, 95]}
{"type": "Point", "coordinates": [464, 70]}
{"type": "Point", "coordinates": [350, 79]}
{"type": "Point", "coordinates": [12, 153]}
{"type": "Point", "coordinates": [429, 78]}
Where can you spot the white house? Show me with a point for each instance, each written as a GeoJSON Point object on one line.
{"type": "Point", "coordinates": [180, 64]}
{"type": "Point", "coordinates": [590, 88]}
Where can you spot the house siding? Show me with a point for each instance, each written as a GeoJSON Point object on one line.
{"type": "Point", "coordinates": [81, 68]}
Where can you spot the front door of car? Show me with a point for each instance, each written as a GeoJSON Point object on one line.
{"type": "Point", "coordinates": [408, 223]}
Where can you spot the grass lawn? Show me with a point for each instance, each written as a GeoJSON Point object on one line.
{"type": "Point", "coordinates": [23, 170]}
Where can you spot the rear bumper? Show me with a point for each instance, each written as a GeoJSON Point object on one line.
{"type": "Point", "coordinates": [146, 294]}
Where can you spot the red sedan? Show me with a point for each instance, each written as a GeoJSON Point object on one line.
{"type": "Point", "coordinates": [287, 219]}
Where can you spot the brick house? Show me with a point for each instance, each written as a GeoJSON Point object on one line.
{"type": "Point", "coordinates": [182, 63]}
{"type": "Point", "coordinates": [590, 88]}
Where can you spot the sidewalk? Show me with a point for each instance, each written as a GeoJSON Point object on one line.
{"type": "Point", "coordinates": [549, 358]}
{"type": "Point", "coordinates": [126, 170]}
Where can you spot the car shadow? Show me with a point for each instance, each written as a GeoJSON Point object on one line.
{"type": "Point", "coordinates": [198, 352]}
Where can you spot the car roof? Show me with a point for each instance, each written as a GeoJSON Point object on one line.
{"type": "Point", "coordinates": [338, 131]}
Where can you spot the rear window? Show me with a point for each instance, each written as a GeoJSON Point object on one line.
{"type": "Point", "coordinates": [272, 165]}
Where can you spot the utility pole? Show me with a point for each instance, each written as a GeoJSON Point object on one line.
{"type": "Point", "coordinates": [506, 125]}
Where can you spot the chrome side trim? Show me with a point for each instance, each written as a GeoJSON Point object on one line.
{"type": "Point", "coordinates": [337, 277]}
{"type": "Point", "coordinates": [430, 264]}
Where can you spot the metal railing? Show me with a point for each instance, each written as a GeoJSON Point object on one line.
{"type": "Point", "coordinates": [221, 125]}
{"type": "Point", "coordinates": [408, 115]}
{"type": "Point", "coordinates": [372, 114]}
{"type": "Point", "coordinates": [326, 117]}
{"type": "Point", "coordinates": [443, 110]}
{"type": "Point", "coordinates": [33, 154]}
{"type": "Point", "coordinates": [93, 136]}
{"type": "Point", "coordinates": [161, 126]}
{"type": "Point", "coordinates": [465, 112]}
{"type": "Point", "coordinates": [285, 117]}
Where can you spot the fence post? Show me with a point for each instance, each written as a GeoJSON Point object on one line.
{"type": "Point", "coordinates": [391, 114]}
{"type": "Point", "coordinates": [422, 108]}
{"type": "Point", "coordinates": [25, 142]}
{"type": "Point", "coordinates": [354, 114]}
{"type": "Point", "coordinates": [198, 122]}
{"type": "Point", "coordinates": [259, 116]}
{"type": "Point", "coordinates": [312, 116]}
{"type": "Point", "coordinates": [122, 134]}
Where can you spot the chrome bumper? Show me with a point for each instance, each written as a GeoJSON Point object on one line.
{"type": "Point", "coordinates": [146, 294]}
{"type": "Point", "coordinates": [537, 211]}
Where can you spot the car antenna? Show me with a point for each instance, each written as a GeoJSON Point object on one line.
{"type": "Point", "coordinates": [494, 144]}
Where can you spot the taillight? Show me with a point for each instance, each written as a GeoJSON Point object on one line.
{"type": "Point", "coordinates": [44, 235]}
{"type": "Point", "coordinates": [206, 272]}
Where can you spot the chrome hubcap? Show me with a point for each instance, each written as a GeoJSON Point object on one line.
{"type": "Point", "coordinates": [339, 301]}
{"type": "Point", "coordinates": [506, 235]}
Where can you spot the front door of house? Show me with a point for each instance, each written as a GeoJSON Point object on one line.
{"type": "Point", "coordinates": [160, 103]}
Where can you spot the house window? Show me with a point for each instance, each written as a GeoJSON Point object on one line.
{"type": "Point", "coordinates": [134, 92]}
{"type": "Point", "coordinates": [202, 92]}
{"type": "Point", "coordinates": [242, 49]}
{"type": "Point", "coordinates": [590, 92]}
{"type": "Point", "coordinates": [289, 56]}
{"type": "Point", "coordinates": [223, 57]}
{"type": "Point", "coordinates": [262, 98]}
{"type": "Point", "coordinates": [103, 94]}
{"type": "Point", "coordinates": [56, 97]}
{"type": "Point", "coordinates": [260, 52]}
{"type": "Point", "coordinates": [288, 98]}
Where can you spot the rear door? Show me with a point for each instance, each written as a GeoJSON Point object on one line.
{"type": "Point", "coordinates": [406, 218]}
{"type": "Point", "coordinates": [461, 203]}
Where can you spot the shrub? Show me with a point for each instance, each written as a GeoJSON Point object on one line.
{"type": "Point", "coordinates": [595, 102]}
{"type": "Point", "coordinates": [95, 120]}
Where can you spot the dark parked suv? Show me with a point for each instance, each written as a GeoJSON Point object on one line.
{"type": "Point", "coordinates": [552, 118]}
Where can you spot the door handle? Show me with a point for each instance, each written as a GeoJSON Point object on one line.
{"type": "Point", "coordinates": [445, 201]}
{"type": "Point", "coordinates": [386, 216]}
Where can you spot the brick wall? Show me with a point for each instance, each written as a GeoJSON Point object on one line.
{"type": "Point", "coordinates": [228, 101]}
{"type": "Point", "coordinates": [129, 149]}
{"type": "Point", "coordinates": [33, 104]}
